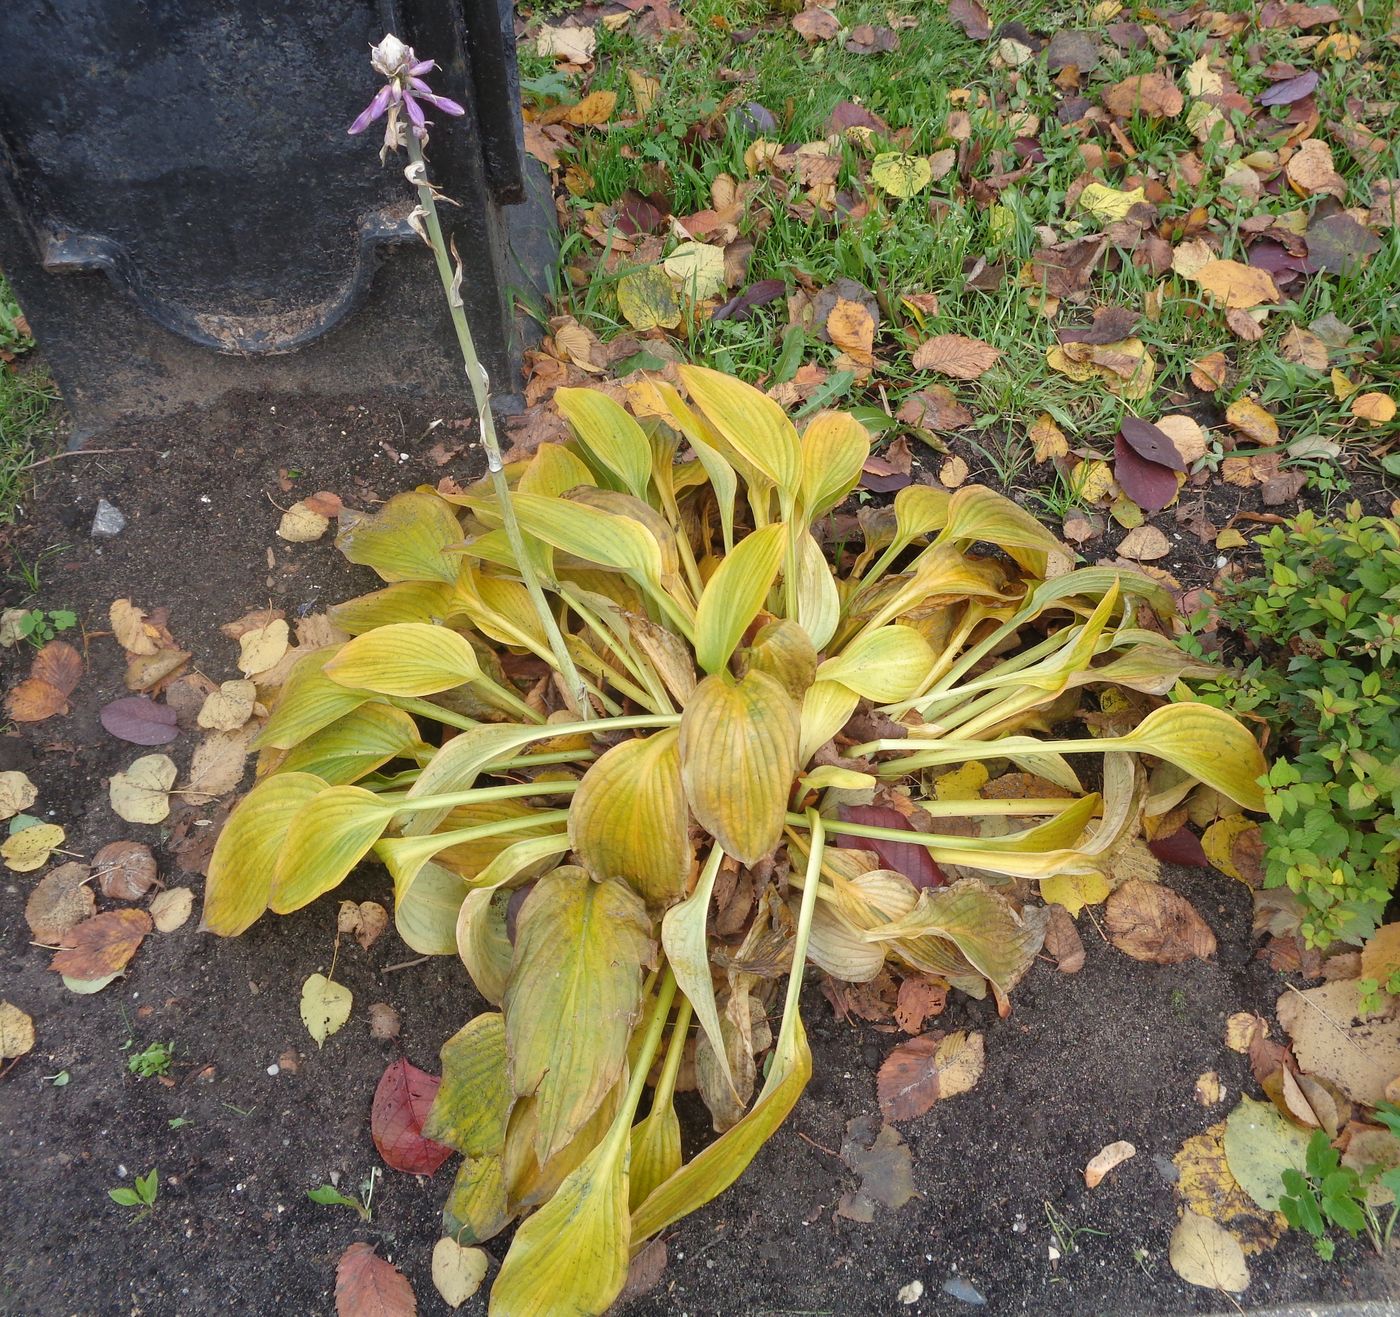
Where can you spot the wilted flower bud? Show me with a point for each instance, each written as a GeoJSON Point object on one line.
{"type": "Point", "coordinates": [405, 88]}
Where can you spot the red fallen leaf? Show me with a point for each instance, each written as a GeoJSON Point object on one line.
{"type": "Point", "coordinates": [1290, 89]}
{"type": "Point", "coordinates": [971, 17]}
{"type": "Point", "coordinates": [1149, 484]}
{"type": "Point", "coordinates": [1146, 440]}
{"type": "Point", "coordinates": [401, 1103]}
{"type": "Point", "coordinates": [1182, 847]}
{"type": "Point", "coordinates": [368, 1286]}
{"type": "Point", "coordinates": [848, 114]}
{"type": "Point", "coordinates": [140, 720]}
{"type": "Point", "coordinates": [638, 214]}
{"type": "Point", "coordinates": [908, 858]}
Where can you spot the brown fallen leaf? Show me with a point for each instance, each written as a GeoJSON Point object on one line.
{"type": "Point", "coordinates": [125, 870]}
{"type": "Point", "coordinates": [383, 1022]}
{"type": "Point", "coordinates": [1144, 544]}
{"type": "Point", "coordinates": [61, 901]}
{"type": "Point", "coordinates": [102, 945]}
{"type": "Point", "coordinates": [1151, 94]}
{"type": "Point", "coordinates": [926, 1069]}
{"type": "Point", "coordinates": [918, 999]}
{"type": "Point", "coordinates": [1062, 940]}
{"type": "Point", "coordinates": [814, 25]}
{"type": "Point", "coordinates": [1152, 923]}
{"type": "Point", "coordinates": [366, 921]}
{"type": "Point", "coordinates": [45, 691]}
{"type": "Point", "coordinates": [877, 1154]}
{"type": "Point", "coordinates": [1103, 1161]}
{"type": "Point", "coordinates": [368, 1286]}
{"type": "Point", "coordinates": [956, 355]}
{"type": "Point", "coordinates": [852, 329]}
{"type": "Point", "coordinates": [130, 629]}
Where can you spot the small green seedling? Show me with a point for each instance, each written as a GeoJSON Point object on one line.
{"type": "Point", "coordinates": [179, 1122]}
{"type": "Point", "coordinates": [1330, 1194]}
{"type": "Point", "coordinates": [142, 1196]}
{"type": "Point", "coordinates": [153, 1061]}
{"type": "Point", "coordinates": [58, 1080]}
{"type": "Point", "coordinates": [40, 625]}
{"type": "Point", "coordinates": [327, 1195]}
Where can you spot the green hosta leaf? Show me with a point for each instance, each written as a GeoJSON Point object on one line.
{"type": "Point", "coordinates": [426, 917]}
{"type": "Point", "coordinates": [575, 987]}
{"type": "Point", "coordinates": [483, 942]}
{"type": "Point", "coordinates": [918, 510]}
{"type": "Point", "coordinates": [610, 435]}
{"type": "Point", "coordinates": [309, 701]}
{"type": "Point", "coordinates": [407, 658]}
{"type": "Point", "coordinates": [887, 664]}
{"type": "Point", "coordinates": [996, 941]}
{"type": "Point", "coordinates": [826, 708]}
{"type": "Point", "coordinates": [743, 732]}
{"type": "Point", "coordinates": [620, 543]}
{"type": "Point", "coordinates": [405, 601]}
{"type": "Point", "coordinates": [408, 539]}
{"type": "Point", "coordinates": [1207, 743]}
{"type": "Point", "coordinates": [735, 593]}
{"type": "Point", "coordinates": [751, 423]}
{"type": "Point", "coordinates": [245, 857]}
{"type": "Point", "coordinates": [628, 819]}
{"type": "Point", "coordinates": [834, 448]}
{"type": "Point", "coordinates": [329, 836]}
{"type": "Point", "coordinates": [356, 744]}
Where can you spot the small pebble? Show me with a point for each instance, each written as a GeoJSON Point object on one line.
{"type": "Point", "coordinates": [274, 1069]}
{"type": "Point", "coordinates": [109, 520]}
{"type": "Point", "coordinates": [911, 1293]}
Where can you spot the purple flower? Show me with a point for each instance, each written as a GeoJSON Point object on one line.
{"type": "Point", "coordinates": [404, 90]}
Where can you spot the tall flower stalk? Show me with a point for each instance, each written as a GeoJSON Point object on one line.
{"type": "Point", "coordinates": [404, 90]}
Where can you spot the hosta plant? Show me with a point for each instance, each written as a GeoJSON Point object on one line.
{"type": "Point", "coordinates": [749, 680]}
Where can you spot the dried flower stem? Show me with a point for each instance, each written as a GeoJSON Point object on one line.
{"type": "Point", "coordinates": [481, 396]}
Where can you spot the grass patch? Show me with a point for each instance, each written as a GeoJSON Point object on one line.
{"type": "Point", "coordinates": [27, 398]}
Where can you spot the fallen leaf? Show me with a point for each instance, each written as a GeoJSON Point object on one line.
{"type": "Point", "coordinates": [171, 908]}
{"type": "Point", "coordinates": [130, 629]}
{"type": "Point", "coordinates": [29, 848]}
{"type": "Point", "coordinates": [140, 794]}
{"type": "Point", "coordinates": [1073, 891]}
{"type": "Point", "coordinates": [1288, 90]}
{"type": "Point", "coordinates": [918, 999]}
{"type": "Point", "coordinates": [851, 328]}
{"type": "Point", "coordinates": [102, 945]}
{"type": "Point", "coordinates": [647, 299]}
{"type": "Point", "coordinates": [125, 870]}
{"type": "Point", "coordinates": [907, 858]}
{"type": "Point", "coordinates": [1304, 348]}
{"type": "Point", "coordinates": [1209, 1089]}
{"type": "Point", "coordinates": [1103, 1161]}
{"type": "Point", "coordinates": [927, 1069]}
{"type": "Point", "coordinates": [1047, 438]}
{"type": "Point", "coordinates": [1374, 408]}
{"type": "Point", "coordinates": [61, 901]}
{"type": "Point", "coordinates": [595, 108]}
{"type": "Point", "coordinates": [1150, 922]}
{"type": "Point", "coordinates": [953, 473]}
{"type": "Point", "coordinates": [16, 1032]}
{"type": "Point", "coordinates": [1151, 94]}
{"type": "Point", "coordinates": [1331, 1040]}
{"type": "Point", "coordinates": [1252, 421]}
{"type": "Point", "coordinates": [401, 1102]}
{"type": "Point", "coordinates": [971, 18]}
{"type": "Point", "coordinates": [1204, 1253]}
{"type": "Point", "coordinates": [1150, 485]}
{"type": "Point", "coordinates": [1144, 544]}
{"type": "Point", "coordinates": [139, 720]}
{"type": "Point", "coordinates": [17, 793]}
{"type": "Point", "coordinates": [383, 1022]}
{"type": "Point", "coordinates": [900, 175]}
{"type": "Point", "coordinates": [573, 45]}
{"type": "Point", "coordinates": [365, 1284]}
{"type": "Point", "coordinates": [1237, 286]}
{"type": "Point", "coordinates": [1226, 836]}
{"type": "Point", "coordinates": [877, 1154]}
{"type": "Point", "coordinates": [1209, 373]}
{"type": "Point", "coordinates": [365, 920]}
{"type": "Point", "coordinates": [1206, 1186]}
{"type": "Point", "coordinates": [262, 647]}
{"type": "Point", "coordinates": [217, 765]}
{"type": "Point", "coordinates": [1062, 941]}
{"type": "Point", "coordinates": [145, 672]}
{"type": "Point", "coordinates": [1110, 204]}
{"type": "Point", "coordinates": [814, 25]}
{"type": "Point", "coordinates": [458, 1271]}
{"type": "Point", "coordinates": [301, 524]}
{"type": "Point", "coordinates": [229, 707]}
{"type": "Point", "coordinates": [325, 1006]}
{"type": "Point", "coordinates": [957, 356]}
{"type": "Point", "coordinates": [698, 267]}
{"type": "Point", "coordinates": [1243, 1028]}
{"type": "Point", "coordinates": [645, 90]}
{"type": "Point", "coordinates": [1310, 170]}
{"type": "Point", "coordinates": [1260, 1144]}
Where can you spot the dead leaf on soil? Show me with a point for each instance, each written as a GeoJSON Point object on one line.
{"type": "Point", "coordinates": [130, 628]}
{"type": "Point", "coordinates": [1209, 1090]}
{"type": "Point", "coordinates": [1202, 1252]}
{"type": "Point", "coordinates": [262, 647]}
{"type": "Point", "coordinates": [45, 691]}
{"type": "Point", "coordinates": [28, 848]}
{"type": "Point", "coordinates": [216, 767]}
{"type": "Point", "coordinates": [384, 1022]}
{"type": "Point", "coordinates": [918, 999]}
{"type": "Point", "coordinates": [1144, 544]}
{"type": "Point", "coordinates": [171, 909]}
{"type": "Point", "coordinates": [302, 524]}
{"type": "Point", "coordinates": [17, 793]}
{"type": "Point", "coordinates": [125, 870]}
{"type": "Point", "coordinates": [325, 1006]}
{"type": "Point", "coordinates": [927, 1069]}
{"type": "Point", "coordinates": [957, 356]}
{"type": "Point", "coordinates": [881, 1158]}
{"type": "Point", "coordinates": [16, 1032]}
{"type": "Point", "coordinates": [139, 720]}
{"type": "Point", "coordinates": [366, 920]}
{"type": "Point", "coordinates": [1360, 1055]}
{"type": "Point", "coordinates": [1062, 940]}
{"type": "Point", "coordinates": [401, 1102]}
{"type": "Point", "coordinates": [141, 793]}
{"type": "Point", "coordinates": [1103, 1161]}
{"type": "Point", "coordinates": [458, 1270]}
{"type": "Point", "coordinates": [102, 945]}
{"type": "Point", "coordinates": [365, 1284]}
{"type": "Point", "coordinates": [1152, 923]}
{"type": "Point", "coordinates": [61, 901]}
{"type": "Point", "coordinates": [229, 707]}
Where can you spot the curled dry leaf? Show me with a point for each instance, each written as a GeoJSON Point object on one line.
{"type": "Point", "coordinates": [101, 946]}
{"type": "Point", "coordinates": [366, 921]}
{"type": "Point", "coordinates": [926, 1069]}
{"type": "Point", "coordinates": [141, 793]}
{"type": "Point", "coordinates": [17, 793]}
{"type": "Point", "coordinates": [1103, 1161]}
{"type": "Point", "coordinates": [125, 870]}
{"type": "Point", "coordinates": [130, 628]}
{"type": "Point", "coordinates": [1062, 940]}
{"type": "Point", "coordinates": [16, 1032]}
{"type": "Point", "coordinates": [383, 1022]}
{"type": "Point", "coordinates": [1152, 923]}
{"type": "Point", "coordinates": [61, 901]}
{"type": "Point", "coordinates": [302, 524]}
{"type": "Point", "coordinates": [171, 909]}
{"type": "Point", "coordinates": [365, 1284]}
{"type": "Point", "coordinates": [401, 1102]}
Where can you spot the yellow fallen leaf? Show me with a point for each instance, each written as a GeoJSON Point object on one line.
{"type": "Point", "coordinates": [1343, 386]}
{"type": "Point", "coordinates": [574, 45]}
{"type": "Point", "coordinates": [962, 783]}
{"type": "Point", "coordinates": [595, 108]}
{"type": "Point", "coordinates": [1107, 203]}
{"type": "Point", "coordinates": [17, 793]}
{"type": "Point", "coordinates": [1340, 45]}
{"type": "Point", "coordinates": [30, 848]}
{"type": "Point", "coordinates": [1209, 1089]}
{"type": "Point", "coordinates": [1243, 1028]}
{"type": "Point", "coordinates": [1236, 286]}
{"type": "Point", "coordinates": [1190, 255]}
{"type": "Point", "coordinates": [141, 793]}
{"type": "Point", "coordinates": [1218, 842]}
{"type": "Point", "coordinates": [325, 1006]}
{"type": "Point", "coordinates": [129, 627]}
{"type": "Point", "coordinates": [900, 175]}
{"type": "Point", "coordinates": [1376, 408]}
{"type": "Point", "coordinates": [1252, 421]}
{"type": "Point", "coordinates": [1310, 170]}
{"type": "Point", "coordinates": [171, 908]}
{"type": "Point", "coordinates": [1092, 481]}
{"type": "Point", "coordinates": [698, 267]}
{"type": "Point", "coordinates": [228, 707]}
{"type": "Point", "coordinates": [645, 90]}
{"type": "Point", "coordinates": [1145, 544]}
{"type": "Point", "coordinates": [16, 1032]}
{"type": "Point", "coordinates": [1230, 539]}
{"type": "Point", "coordinates": [1187, 436]}
{"type": "Point", "coordinates": [852, 329]}
{"type": "Point", "coordinates": [1202, 1252]}
{"type": "Point", "coordinates": [302, 525]}
{"type": "Point", "coordinates": [1047, 438]}
{"type": "Point", "coordinates": [1075, 890]}
{"type": "Point", "coordinates": [647, 299]}
{"type": "Point", "coordinates": [262, 647]}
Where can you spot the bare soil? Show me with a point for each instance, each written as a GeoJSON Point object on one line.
{"type": "Point", "coordinates": [1110, 1053]}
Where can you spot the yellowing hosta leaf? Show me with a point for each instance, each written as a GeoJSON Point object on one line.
{"type": "Point", "coordinates": [1207, 743]}
{"type": "Point", "coordinates": [473, 1101]}
{"type": "Point", "coordinates": [735, 593]}
{"type": "Point", "coordinates": [886, 664]}
{"type": "Point", "coordinates": [325, 840]}
{"type": "Point", "coordinates": [834, 448]}
{"type": "Point", "coordinates": [309, 701]}
{"type": "Point", "coordinates": [610, 435]}
{"type": "Point", "coordinates": [588, 533]}
{"type": "Point", "coordinates": [325, 1006]}
{"type": "Point", "coordinates": [426, 915]}
{"type": "Point", "coordinates": [482, 941]}
{"type": "Point", "coordinates": [977, 513]}
{"type": "Point", "coordinates": [683, 935]}
{"type": "Point", "coordinates": [628, 819]}
{"type": "Point", "coordinates": [406, 540]}
{"type": "Point", "coordinates": [740, 732]}
{"type": "Point", "coordinates": [404, 601]}
{"type": "Point", "coordinates": [826, 708]}
{"type": "Point", "coordinates": [785, 651]}
{"type": "Point", "coordinates": [355, 745]}
{"type": "Point", "coordinates": [245, 857]}
{"type": "Point", "coordinates": [407, 658]}
{"type": "Point", "coordinates": [554, 470]}
{"type": "Point", "coordinates": [818, 601]}
{"type": "Point", "coordinates": [656, 1151]}
{"type": "Point", "coordinates": [577, 975]}
{"type": "Point", "coordinates": [750, 421]}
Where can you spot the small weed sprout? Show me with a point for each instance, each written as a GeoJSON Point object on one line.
{"type": "Point", "coordinates": [154, 1061]}
{"type": "Point", "coordinates": [141, 1197]}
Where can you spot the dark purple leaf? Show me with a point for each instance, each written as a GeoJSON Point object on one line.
{"type": "Point", "coordinates": [1149, 484]}
{"type": "Point", "coordinates": [1274, 257]}
{"type": "Point", "coordinates": [1111, 325]}
{"type": "Point", "coordinates": [140, 720]}
{"type": "Point", "coordinates": [1337, 243]}
{"type": "Point", "coordinates": [1146, 440]}
{"type": "Point", "coordinates": [908, 858]}
{"type": "Point", "coordinates": [757, 294]}
{"type": "Point", "coordinates": [848, 114]}
{"type": "Point", "coordinates": [971, 17]}
{"type": "Point", "coordinates": [638, 214]}
{"type": "Point", "coordinates": [1291, 89]}
{"type": "Point", "coordinates": [753, 118]}
{"type": "Point", "coordinates": [1182, 847]}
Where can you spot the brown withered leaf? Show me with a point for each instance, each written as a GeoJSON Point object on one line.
{"type": "Point", "coordinates": [918, 999]}
{"type": "Point", "coordinates": [927, 1069]}
{"type": "Point", "coordinates": [44, 692]}
{"type": "Point", "coordinates": [1235, 286]}
{"type": "Point", "coordinates": [61, 901]}
{"type": "Point", "coordinates": [365, 920]}
{"type": "Point", "coordinates": [934, 408]}
{"type": "Point", "coordinates": [1152, 923]}
{"type": "Point", "coordinates": [102, 945]}
{"type": "Point", "coordinates": [1062, 941]}
{"type": "Point", "coordinates": [814, 25]}
{"type": "Point", "coordinates": [956, 355]}
{"type": "Point", "coordinates": [1066, 268]}
{"type": "Point", "coordinates": [881, 1158]}
{"type": "Point", "coordinates": [368, 1286]}
{"type": "Point", "coordinates": [971, 18]}
{"type": "Point", "coordinates": [124, 870]}
{"type": "Point", "coordinates": [1152, 94]}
